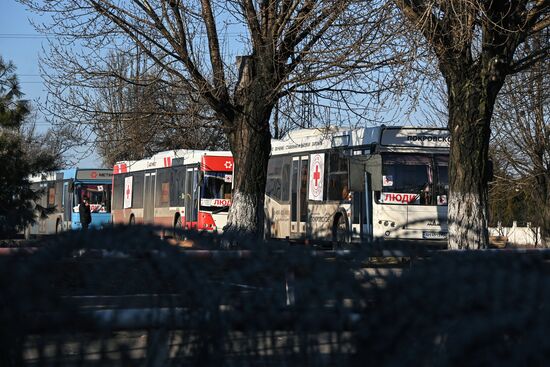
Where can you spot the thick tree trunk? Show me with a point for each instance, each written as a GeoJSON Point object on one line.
{"type": "Point", "coordinates": [470, 110]}
{"type": "Point", "coordinates": [250, 141]}
{"type": "Point", "coordinates": [251, 147]}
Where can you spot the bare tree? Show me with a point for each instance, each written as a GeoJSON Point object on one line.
{"type": "Point", "coordinates": [285, 47]}
{"type": "Point", "coordinates": [521, 137]}
{"type": "Point", "coordinates": [475, 44]}
{"type": "Point", "coordinates": [136, 113]}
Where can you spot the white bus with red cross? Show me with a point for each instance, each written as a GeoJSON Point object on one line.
{"type": "Point", "coordinates": [359, 185]}
{"type": "Point", "coordinates": [182, 189]}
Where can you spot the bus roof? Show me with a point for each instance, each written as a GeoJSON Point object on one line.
{"type": "Point", "coordinates": [80, 174]}
{"type": "Point", "coordinates": [379, 138]}
{"type": "Point", "coordinates": [167, 159]}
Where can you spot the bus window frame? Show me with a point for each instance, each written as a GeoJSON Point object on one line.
{"type": "Point", "coordinates": [344, 191]}
{"type": "Point", "coordinates": [284, 181]}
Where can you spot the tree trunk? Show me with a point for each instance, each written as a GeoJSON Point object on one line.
{"type": "Point", "coordinates": [251, 148]}
{"type": "Point", "coordinates": [470, 110]}
{"type": "Point", "coordinates": [250, 141]}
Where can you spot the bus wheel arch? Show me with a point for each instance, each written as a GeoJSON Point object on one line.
{"type": "Point", "coordinates": [132, 221]}
{"type": "Point", "coordinates": [340, 227]}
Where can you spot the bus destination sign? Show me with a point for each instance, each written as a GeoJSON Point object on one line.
{"type": "Point", "coordinates": [416, 137]}
{"type": "Point", "coordinates": [94, 174]}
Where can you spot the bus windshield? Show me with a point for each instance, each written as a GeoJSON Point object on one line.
{"type": "Point", "coordinates": [216, 189]}
{"type": "Point", "coordinates": [414, 179]}
{"type": "Point", "coordinates": [99, 197]}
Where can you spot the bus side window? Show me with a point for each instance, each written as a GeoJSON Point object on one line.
{"type": "Point", "coordinates": [278, 178]}
{"type": "Point", "coordinates": [118, 191]}
{"type": "Point", "coordinates": [273, 186]}
{"type": "Point", "coordinates": [59, 196]}
{"type": "Point", "coordinates": [163, 188]}
{"type": "Point", "coordinates": [51, 195]}
{"type": "Point", "coordinates": [285, 179]}
{"type": "Point", "coordinates": [137, 189]}
{"type": "Point", "coordinates": [177, 179]}
{"type": "Point", "coordinates": [337, 177]}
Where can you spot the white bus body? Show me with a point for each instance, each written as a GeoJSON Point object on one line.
{"type": "Point", "coordinates": [358, 185]}
{"type": "Point", "coordinates": [188, 189]}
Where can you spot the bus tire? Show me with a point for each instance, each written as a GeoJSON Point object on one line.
{"type": "Point", "coordinates": [340, 230]}
{"type": "Point", "coordinates": [132, 221]}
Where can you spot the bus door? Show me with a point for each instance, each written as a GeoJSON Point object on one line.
{"type": "Point", "coordinates": [366, 212]}
{"type": "Point", "coordinates": [191, 196]}
{"type": "Point", "coordinates": [42, 222]}
{"type": "Point", "coordinates": [149, 197]}
{"type": "Point", "coordinates": [298, 196]}
{"type": "Point", "coordinates": [372, 180]}
{"type": "Point", "coordinates": [67, 201]}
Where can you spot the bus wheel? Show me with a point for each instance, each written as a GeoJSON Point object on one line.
{"type": "Point", "coordinates": [340, 230]}
{"type": "Point", "coordinates": [132, 221]}
{"type": "Point", "coordinates": [58, 228]}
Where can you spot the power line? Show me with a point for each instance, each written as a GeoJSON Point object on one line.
{"type": "Point", "coordinates": [24, 35]}
{"type": "Point", "coordinates": [46, 35]}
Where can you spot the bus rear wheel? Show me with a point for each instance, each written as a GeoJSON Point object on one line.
{"type": "Point", "coordinates": [132, 221]}
{"type": "Point", "coordinates": [58, 228]}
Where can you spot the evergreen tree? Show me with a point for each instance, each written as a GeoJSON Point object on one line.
{"type": "Point", "coordinates": [18, 202]}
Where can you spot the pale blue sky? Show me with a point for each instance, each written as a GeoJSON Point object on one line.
{"type": "Point", "coordinates": [21, 44]}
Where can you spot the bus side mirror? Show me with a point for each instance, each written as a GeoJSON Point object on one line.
{"type": "Point", "coordinates": [70, 186]}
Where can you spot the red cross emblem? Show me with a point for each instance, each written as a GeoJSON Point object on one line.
{"type": "Point", "coordinates": [128, 191]}
{"type": "Point", "coordinates": [316, 175]}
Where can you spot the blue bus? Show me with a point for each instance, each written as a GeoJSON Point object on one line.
{"type": "Point", "coordinates": [62, 192]}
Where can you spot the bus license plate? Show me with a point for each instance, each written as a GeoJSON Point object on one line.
{"type": "Point", "coordinates": [434, 235]}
